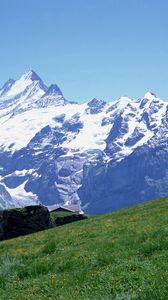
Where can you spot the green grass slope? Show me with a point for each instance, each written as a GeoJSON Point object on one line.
{"type": "Point", "coordinates": [122, 255]}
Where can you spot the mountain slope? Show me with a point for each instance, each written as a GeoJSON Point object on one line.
{"type": "Point", "coordinates": [121, 255]}
{"type": "Point", "coordinates": [5, 198]}
{"type": "Point", "coordinates": [55, 151]}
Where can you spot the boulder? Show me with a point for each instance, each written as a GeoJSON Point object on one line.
{"type": "Point", "coordinates": [21, 221]}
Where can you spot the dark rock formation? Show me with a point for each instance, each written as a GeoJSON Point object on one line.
{"type": "Point", "coordinates": [68, 219]}
{"type": "Point", "coordinates": [30, 219]}
{"type": "Point", "coordinates": [21, 221]}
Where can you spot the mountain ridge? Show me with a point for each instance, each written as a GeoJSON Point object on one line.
{"type": "Point", "coordinates": [54, 151]}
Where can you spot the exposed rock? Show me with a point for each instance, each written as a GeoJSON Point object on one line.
{"type": "Point", "coordinates": [95, 106]}
{"type": "Point", "coordinates": [58, 221]}
{"type": "Point", "coordinates": [21, 221]}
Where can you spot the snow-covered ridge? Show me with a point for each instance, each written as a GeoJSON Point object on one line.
{"type": "Point", "coordinates": [40, 106]}
{"type": "Point", "coordinates": [46, 137]}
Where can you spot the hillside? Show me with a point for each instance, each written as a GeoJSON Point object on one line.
{"type": "Point", "coordinates": [121, 255]}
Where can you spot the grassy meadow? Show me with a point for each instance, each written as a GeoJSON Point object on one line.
{"type": "Point", "coordinates": [120, 255]}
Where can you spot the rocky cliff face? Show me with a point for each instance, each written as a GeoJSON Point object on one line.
{"type": "Point", "coordinates": [102, 155]}
{"type": "Point", "coordinates": [141, 176]}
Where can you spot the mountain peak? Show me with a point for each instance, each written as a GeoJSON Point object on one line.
{"type": "Point", "coordinates": [149, 96]}
{"type": "Point", "coordinates": [32, 75]}
{"type": "Point", "coordinates": [95, 106]}
{"type": "Point", "coordinates": [125, 99]}
{"type": "Point", "coordinates": [54, 89]}
{"type": "Point", "coordinates": [96, 102]}
{"type": "Point", "coordinates": [29, 87]}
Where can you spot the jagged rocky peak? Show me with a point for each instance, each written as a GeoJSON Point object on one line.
{"type": "Point", "coordinates": [149, 96]}
{"type": "Point", "coordinates": [147, 99]}
{"type": "Point", "coordinates": [52, 97]}
{"type": "Point", "coordinates": [32, 75]}
{"type": "Point", "coordinates": [30, 78]}
{"type": "Point", "coordinates": [96, 102]}
{"type": "Point", "coordinates": [23, 86]}
{"type": "Point", "coordinates": [54, 89]}
{"type": "Point", "coordinates": [95, 106]}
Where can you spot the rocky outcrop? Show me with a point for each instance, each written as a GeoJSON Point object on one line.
{"type": "Point", "coordinates": [21, 221]}
{"type": "Point", "coordinates": [30, 219]}
{"type": "Point", "coordinates": [59, 221]}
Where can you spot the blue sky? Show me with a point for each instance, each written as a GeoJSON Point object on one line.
{"type": "Point", "coordinates": [90, 48]}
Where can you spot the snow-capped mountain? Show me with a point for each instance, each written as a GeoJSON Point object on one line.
{"type": "Point", "coordinates": [23, 91]}
{"type": "Point", "coordinates": [101, 155]}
